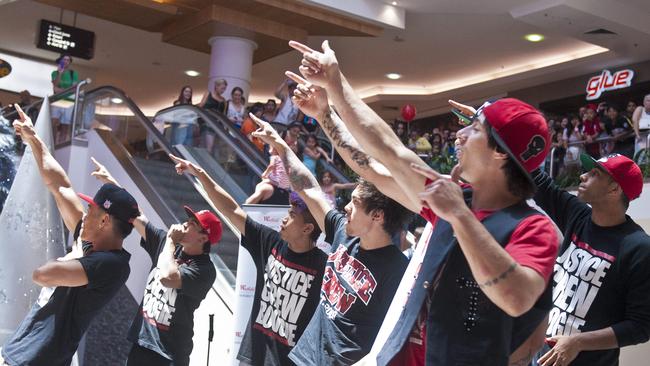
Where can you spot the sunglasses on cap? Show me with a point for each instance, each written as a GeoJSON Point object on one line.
{"type": "Point", "coordinates": [465, 120]}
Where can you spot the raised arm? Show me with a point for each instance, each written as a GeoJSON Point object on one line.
{"type": "Point", "coordinates": [373, 135]}
{"type": "Point", "coordinates": [281, 91]}
{"type": "Point", "coordinates": [223, 202]}
{"type": "Point", "coordinates": [312, 100]}
{"type": "Point", "coordinates": [54, 177]}
{"type": "Point", "coordinates": [203, 100]}
{"type": "Point", "coordinates": [302, 181]}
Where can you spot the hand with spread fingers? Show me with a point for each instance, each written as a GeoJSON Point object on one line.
{"type": "Point", "coordinates": [319, 68]}
{"type": "Point", "coordinates": [311, 99]}
{"type": "Point", "coordinates": [443, 195]}
{"type": "Point", "coordinates": [183, 166]}
{"type": "Point", "coordinates": [564, 351]}
{"type": "Point", "coordinates": [267, 133]}
{"type": "Point", "coordinates": [102, 173]}
{"type": "Point", "coordinates": [23, 125]}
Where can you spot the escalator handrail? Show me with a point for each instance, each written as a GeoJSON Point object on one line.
{"type": "Point", "coordinates": [252, 157]}
{"type": "Point", "coordinates": [241, 138]}
{"type": "Point", "coordinates": [52, 98]}
{"type": "Point", "coordinates": [169, 149]}
{"type": "Point", "coordinates": [158, 137]}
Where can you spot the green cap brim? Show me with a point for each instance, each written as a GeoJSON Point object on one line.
{"type": "Point", "coordinates": [589, 163]}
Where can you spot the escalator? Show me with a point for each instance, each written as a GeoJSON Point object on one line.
{"type": "Point", "coordinates": [144, 146]}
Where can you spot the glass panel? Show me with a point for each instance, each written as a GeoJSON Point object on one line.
{"type": "Point", "coordinates": [107, 108]}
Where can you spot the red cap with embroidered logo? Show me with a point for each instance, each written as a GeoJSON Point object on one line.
{"type": "Point", "coordinates": [209, 222]}
{"type": "Point", "coordinates": [521, 131]}
{"type": "Point", "coordinates": [622, 169]}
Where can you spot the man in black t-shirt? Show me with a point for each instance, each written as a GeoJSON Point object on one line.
{"type": "Point", "coordinates": [181, 275]}
{"type": "Point", "coordinates": [621, 128]}
{"type": "Point", "coordinates": [289, 273]}
{"type": "Point", "coordinates": [363, 267]}
{"type": "Point", "coordinates": [601, 281]}
{"type": "Point", "coordinates": [77, 286]}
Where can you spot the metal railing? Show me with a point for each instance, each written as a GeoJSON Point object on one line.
{"type": "Point", "coordinates": [596, 141]}
{"type": "Point", "coordinates": [227, 279]}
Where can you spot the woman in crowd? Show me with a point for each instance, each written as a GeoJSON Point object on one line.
{"type": "Point", "coordinates": [215, 102]}
{"type": "Point", "coordinates": [571, 136]}
{"type": "Point", "coordinates": [329, 186]}
{"type": "Point", "coordinates": [400, 131]}
{"type": "Point", "coordinates": [182, 132]}
{"type": "Point", "coordinates": [236, 106]}
{"type": "Point", "coordinates": [641, 120]}
{"type": "Point", "coordinates": [312, 154]}
{"type": "Point", "coordinates": [591, 130]}
{"type": "Point", "coordinates": [63, 78]}
{"type": "Point", "coordinates": [270, 110]}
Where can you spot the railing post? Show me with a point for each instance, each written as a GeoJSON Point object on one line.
{"type": "Point", "coordinates": [552, 162]}
{"type": "Point", "coordinates": [75, 110]}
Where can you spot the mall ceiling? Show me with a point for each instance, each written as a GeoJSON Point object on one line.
{"type": "Point", "coordinates": [449, 48]}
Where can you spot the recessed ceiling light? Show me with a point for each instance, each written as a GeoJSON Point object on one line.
{"type": "Point", "coordinates": [116, 100]}
{"type": "Point", "coordinates": [394, 3]}
{"type": "Point", "coordinates": [192, 73]}
{"type": "Point", "coordinates": [534, 37]}
{"type": "Point", "coordinates": [393, 76]}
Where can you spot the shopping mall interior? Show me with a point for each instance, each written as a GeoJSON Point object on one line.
{"type": "Point", "coordinates": [148, 78]}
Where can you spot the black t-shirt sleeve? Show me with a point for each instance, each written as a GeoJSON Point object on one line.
{"type": "Point", "coordinates": [196, 279]}
{"type": "Point", "coordinates": [334, 222]}
{"type": "Point", "coordinates": [153, 240]}
{"type": "Point", "coordinates": [259, 239]}
{"type": "Point", "coordinates": [560, 205]}
{"type": "Point", "coordinates": [103, 269]}
{"type": "Point", "coordinates": [635, 266]}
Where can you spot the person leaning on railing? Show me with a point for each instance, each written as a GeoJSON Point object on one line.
{"type": "Point", "coordinates": [641, 120]}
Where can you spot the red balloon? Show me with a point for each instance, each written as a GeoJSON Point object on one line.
{"type": "Point", "coordinates": [408, 112]}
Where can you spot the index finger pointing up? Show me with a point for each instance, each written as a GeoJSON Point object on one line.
{"type": "Point", "coordinates": [426, 172]}
{"type": "Point", "coordinates": [175, 158]}
{"type": "Point", "coordinates": [97, 164]}
{"type": "Point", "coordinates": [21, 115]}
{"type": "Point", "coordinates": [295, 77]}
{"type": "Point", "coordinates": [300, 47]}
{"type": "Point", "coordinates": [257, 121]}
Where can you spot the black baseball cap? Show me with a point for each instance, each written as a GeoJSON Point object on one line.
{"type": "Point", "coordinates": [116, 201]}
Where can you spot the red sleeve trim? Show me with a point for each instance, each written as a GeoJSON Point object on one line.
{"type": "Point", "coordinates": [534, 244]}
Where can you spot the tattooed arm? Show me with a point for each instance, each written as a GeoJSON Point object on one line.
{"type": "Point", "coordinates": [302, 181]}
{"type": "Point", "coordinates": [367, 167]}
{"type": "Point", "coordinates": [313, 101]}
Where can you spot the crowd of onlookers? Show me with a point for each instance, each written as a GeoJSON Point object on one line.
{"type": "Point", "coordinates": [301, 132]}
{"type": "Point", "coordinates": [598, 130]}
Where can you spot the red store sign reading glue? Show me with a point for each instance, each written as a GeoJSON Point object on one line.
{"type": "Point", "coordinates": [606, 81]}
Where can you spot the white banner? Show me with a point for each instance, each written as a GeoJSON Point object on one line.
{"type": "Point", "coordinates": [271, 216]}
{"type": "Point", "coordinates": [31, 233]}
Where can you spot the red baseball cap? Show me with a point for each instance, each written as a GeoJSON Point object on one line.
{"type": "Point", "coordinates": [520, 130]}
{"type": "Point", "coordinates": [209, 222]}
{"type": "Point", "coordinates": [622, 169]}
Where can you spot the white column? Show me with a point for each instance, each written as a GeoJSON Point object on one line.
{"type": "Point", "coordinates": [231, 58]}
